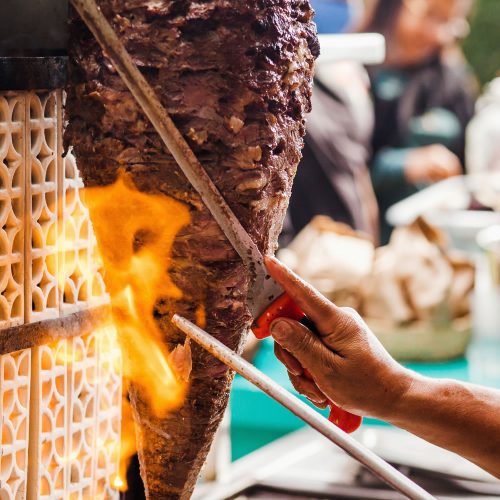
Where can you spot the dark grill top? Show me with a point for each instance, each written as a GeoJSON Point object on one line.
{"type": "Point", "coordinates": [33, 44]}
{"type": "Point", "coordinates": [32, 73]}
{"type": "Point", "coordinates": [33, 27]}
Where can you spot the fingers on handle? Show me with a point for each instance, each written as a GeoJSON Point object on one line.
{"type": "Point", "coordinates": [309, 389]}
{"type": "Point", "coordinates": [290, 362]}
{"type": "Point", "coordinates": [319, 309]}
{"type": "Point", "coordinates": [301, 344]}
{"type": "Point", "coordinates": [321, 404]}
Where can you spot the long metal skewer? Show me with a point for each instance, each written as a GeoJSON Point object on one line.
{"type": "Point", "coordinates": [374, 463]}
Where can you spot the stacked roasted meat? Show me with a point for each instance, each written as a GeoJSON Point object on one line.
{"type": "Point", "coordinates": [235, 75]}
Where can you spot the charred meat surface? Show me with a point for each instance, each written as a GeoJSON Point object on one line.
{"type": "Point", "coordinates": [235, 75]}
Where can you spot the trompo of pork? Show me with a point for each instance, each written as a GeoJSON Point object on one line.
{"type": "Point", "coordinates": [236, 76]}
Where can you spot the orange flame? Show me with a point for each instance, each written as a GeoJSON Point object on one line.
{"type": "Point", "coordinates": [135, 232]}
{"type": "Point", "coordinates": [127, 446]}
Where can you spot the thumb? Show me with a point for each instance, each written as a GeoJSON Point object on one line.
{"type": "Point", "coordinates": [302, 344]}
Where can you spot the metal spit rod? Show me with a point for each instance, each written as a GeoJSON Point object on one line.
{"type": "Point", "coordinates": [374, 463]}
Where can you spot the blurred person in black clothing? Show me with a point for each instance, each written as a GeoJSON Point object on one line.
{"type": "Point", "coordinates": [423, 97]}
{"type": "Point", "coordinates": [410, 134]}
{"type": "Point", "coordinates": [333, 177]}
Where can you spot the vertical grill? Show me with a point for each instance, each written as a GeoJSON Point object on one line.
{"type": "Point", "coordinates": [60, 398]}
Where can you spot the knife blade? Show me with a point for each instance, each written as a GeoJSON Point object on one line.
{"type": "Point", "coordinates": [264, 291]}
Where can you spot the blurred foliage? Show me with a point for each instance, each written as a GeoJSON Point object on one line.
{"type": "Point", "coordinates": [482, 46]}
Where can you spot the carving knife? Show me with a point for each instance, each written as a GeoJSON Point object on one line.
{"type": "Point", "coordinates": [267, 299]}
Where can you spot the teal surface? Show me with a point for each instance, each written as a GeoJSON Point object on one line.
{"type": "Point", "coordinates": [257, 420]}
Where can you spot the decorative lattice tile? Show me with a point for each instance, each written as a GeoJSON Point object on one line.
{"type": "Point", "coordinates": [48, 447]}
{"type": "Point", "coordinates": [15, 371]}
{"type": "Point", "coordinates": [42, 204]}
{"type": "Point", "coordinates": [82, 375]}
{"type": "Point", "coordinates": [49, 266]}
{"type": "Point", "coordinates": [77, 406]}
{"type": "Point", "coordinates": [97, 293]}
{"type": "Point", "coordinates": [12, 168]}
{"type": "Point", "coordinates": [80, 268]}
{"type": "Point", "coordinates": [108, 413]}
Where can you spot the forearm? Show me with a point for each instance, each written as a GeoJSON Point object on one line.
{"type": "Point", "coordinates": [350, 366]}
{"type": "Point", "coordinates": [459, 417]}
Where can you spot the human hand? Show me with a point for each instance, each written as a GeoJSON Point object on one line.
{"type": "Point", "coordinates": [346, 361]}
{"type": "Point", "coordinates": [431, 164]}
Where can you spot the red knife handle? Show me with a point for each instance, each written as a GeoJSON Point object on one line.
{"type": "Point", "coordinates": [285, 307]}
{"type": "Point", "coordinates": [282, 307]}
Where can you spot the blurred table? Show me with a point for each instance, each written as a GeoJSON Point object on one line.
{"type": "Point", "coordinates": [305, 465]}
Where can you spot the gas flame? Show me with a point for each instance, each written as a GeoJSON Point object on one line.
{"type": "Point", "coordinates": [135, 232]}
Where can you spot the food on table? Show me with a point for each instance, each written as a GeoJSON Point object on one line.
{"type": "Point", "coordinates": [415, 292]}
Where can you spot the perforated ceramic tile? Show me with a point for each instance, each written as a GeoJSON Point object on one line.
{"type": "Point", "coordinates": [83, 378]}
{"type": "Point", "coordinates": [108, 413]}
{"type": "Point", "coordinates": [95, 415]}
{"type": "Point", "coordinates": [76, 403]}
{"type": "Point", "coordinates": [14, 416]}
{"type": "Point", "coordinates": [42, 204]}
{"type": "Point", "coordinates": [46, 238]}
{"type": "Point", "coordinates": [60, 404]}
{"type": "Point", "coordinates": [97, 292]}
{"type": "Point", "coordinates": [48, 447]}
{"type": "Point", "coordinates": [81, 279]}
{"type": "Point", "coordinates": [12, 167]}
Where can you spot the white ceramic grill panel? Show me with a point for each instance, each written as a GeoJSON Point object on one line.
{"type": "Point", "coordinates": [15, 372]}
{"type": "Point", "coordinates": [60, 404]}
{"type": "Point", "coordinates": [108, 413]}
{"type": "Point", "coordinates": [81, 279]}
{"type": "Point", "coordinates": [42, 204]}
{"type": "Point", "coordinates": [49, 414]}
{"type": "Point", "coordinates": [82, 428]}
{"type": "Point", "coordinates": [12, 168]}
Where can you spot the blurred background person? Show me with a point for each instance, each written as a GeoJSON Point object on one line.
{"type": "Point", "coordinates": [333, 178]}
{"type": "Point", "coordinates": [423, 97]}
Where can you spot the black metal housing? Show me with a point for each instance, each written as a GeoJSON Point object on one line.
{"type": "Point", "coordinates": [32, 73]}
{"type": "Point", "coordinates": [33, 27]}
{"type": "Point", "coordinates": [33, 44]}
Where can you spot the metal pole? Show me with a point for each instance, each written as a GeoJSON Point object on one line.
{"type": "Point", "coordinates": [374, 463]}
